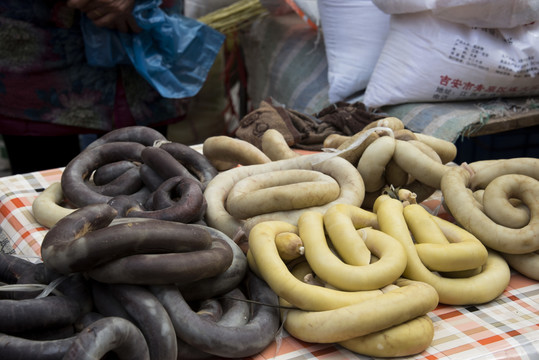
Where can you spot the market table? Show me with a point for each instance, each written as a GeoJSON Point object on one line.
{"type": "Point", "coordinates": [505, 328]}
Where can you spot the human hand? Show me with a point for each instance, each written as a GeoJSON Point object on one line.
{"type": "Point", "coordinates": [112, 14]}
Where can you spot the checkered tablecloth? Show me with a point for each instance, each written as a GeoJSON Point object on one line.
{"type": "Point", "coordinates": [505, 328]}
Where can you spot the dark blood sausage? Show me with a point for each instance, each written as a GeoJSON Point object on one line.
{"type": "Point", "coordinates": [125, 204]}
{"type": "Point", "coordinates": [75, 286]}
{"type": "Point", "coordinates": [164, 164]}
{"type": "Point", "coordinates": [140, 134]}
{"type": "Point", "coordinates": [210, 309]}
{"type": "Point", "coordinates": [150, 317]}
{"type": "Point", "coordinates": [177, 199]}
{"type": "Point", "coordinates": [86, 320]}
{"type": "Point", "coordinates": [29, 277]}
{"type": "Point", "coordinates": [80, 168]}
{"type": "Point", "coordinates": [12, 270]}
{"type": "Point", "coordinates": [109, 334]}
{"type": "Point", "coordinates": [236, 310]}
{"type": "Point", "coordinates": [166, 268]}
{"type": "Point", "coordinates": [188, 352]}
{"type": "Point", "coordinates": [194, 161]}
{"type": "Point", "coordinates": [33, 313]}
{"type": "Point", "coordinates": [171, 191]}
{"type": "Point", "coordinates": [40, 313]}
{"type": "Point", "coordinates": [127, 183]}
{"type": "Point", "coordinates": [149, 177]}
{"type": "Point", "coordinates": [106, 304]}
{"type": "Point", "coordinates": [222, 283]}
{"type": "Point", "coordinates": [53, 333]}
{"type": "Point", "coordinates": [18, 348]}
{"type": "Point", "coordinates": [108, 172]}
{"type": "Point", "coordinates": [83, 239]}
{"type": "Point", "coordinates": [235, 342]}
{"type": "Point", "coordinates": [13, 267]}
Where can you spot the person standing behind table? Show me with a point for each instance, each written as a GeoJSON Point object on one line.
{"type": "Point", "coordinates": [49, 95]}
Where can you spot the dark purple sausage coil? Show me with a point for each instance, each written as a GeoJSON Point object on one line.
{"type": "Point", "coordinates": [83, 239]}
{"type": "Point", "coordinates": [222, 283]}
{"type": "Point", "coordinates": [109, 172]}
{"type": "Point", "coordinates": [109, 334]}
{"type": "Point", "coordinates": [177, 199]}
{"type": "Point", "coordinates": [13, 267]}
{"type": "Point", "coordinates": [140, 134]}
{"type": "Point", "coordinates": [195, 162]}
{"type": "Point", "coordinates": [18, 348]}
{"type": "Point", "coordinates": [166, 268]}
{"type": "Point", "coordinates": [128, 182]}
{"type": "Point", "coordinates": [75, 287]}
{"type": "Point", "coordinates": [233, 342]}
{"type": "Point", "coordinates": [149, 177]}
{"type": "Point", "coordinates": [150, 317]}
{"type": "Point", "coordinates": [75, 176]}
{"type": "Point", "coordinates": [164, 164]}
{"type": "Point", "coordinates": [18, 316]}
{"type": "Point", "coordinates": [106, 304]}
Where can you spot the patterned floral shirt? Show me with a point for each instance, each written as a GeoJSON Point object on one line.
{"type": "Point", "coordinates": [45, 80]}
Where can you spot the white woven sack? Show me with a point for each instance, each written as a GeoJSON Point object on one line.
{"type": "Point", "coordinates": [496, 14]}
{"type": "Point", "coordinates": [354, 34]}
{"type": "Point", "coordinates": [426, 59]}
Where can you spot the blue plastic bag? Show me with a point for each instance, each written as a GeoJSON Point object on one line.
{"type": "Point", "coordinates": [173, 53]}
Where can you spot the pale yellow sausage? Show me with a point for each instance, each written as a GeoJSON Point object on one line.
{"type": "Point", "coordinates": [497, 200]}
{"type": "Point", "coordinates": [409, 338]}
{"type": "Point", "coordinates": [461, 251]}
{"type": "Point", "coordinates": [394, 174]}
{"type": "Point", "coordinates": [461, 204]}
{"type": "Point", "coordinates": [332, 270]}
{"type": "Point", "coordinates": [352, 190]}
{"type": "Point", "coordinates": [274, 145]}
{"type": "Point", "coordinates": [462, 273]}
{"type": "Point", "coordinates": [289, 245]}
{"type": "Point", "coordinates": [373, 162]}
{"type": "Point", "coordinates": [352, 153]}
{"type": "Point", "coordinates": [404, 134]}
{"type": "Point", "coordinates": [333, 141]}
{"type": "Point", "coordinates": [487, 170]}
{"type": "Point", "coordinates": [410, 300]}
{"type": "Point", "coordinates": [275, 272]}
{"type": "Point", "coordinates": [389, 122]}
{"type": "Point", "coordinates": [445, 149]}
{"type": "Point", "coordinates": [422, 226]}
{"type": "Point", "coordinates": [478, 289]}
{"type": "Point", "coordinates": [47, 208]}
{"type": "Point", "coordinates": [478, 197]}
{"type": "Point", "coordinates": [341, 222]}
{"type": "Point", "coordinates": [284, 190]}
{"type": "Point", "coordinates": [232, 151]}
{"type": "Point", "coordinates": [526, 264]}
{"type": "Point", "coordinates": [418, 164]}
{"type": "Point", "coordinates": [407, 196]}
{"type": "Point", "coordinates": [427, 150]}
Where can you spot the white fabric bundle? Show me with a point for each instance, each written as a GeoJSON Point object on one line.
{"type": "Point", "coordinates": [427, 59]}
{"type": "Point", "coordinates": [495, 14]}
{"type": "Point", "coordinates": [354, 34]}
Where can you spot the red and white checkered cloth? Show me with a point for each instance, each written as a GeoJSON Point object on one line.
{"type": "Point", "coordinates": [17, 193]}
{"type": "Point", "coordinates": [505, 328]}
